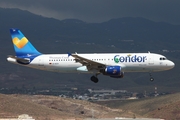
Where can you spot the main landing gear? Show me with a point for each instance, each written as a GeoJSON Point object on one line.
{"type": "Point", "coordinates": [94, 79]}
{"type": "Point", "coordinates": [151, 78]}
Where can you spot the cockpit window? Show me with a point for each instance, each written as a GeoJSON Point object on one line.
{"type": "Point", "coordinates": [163, 58]}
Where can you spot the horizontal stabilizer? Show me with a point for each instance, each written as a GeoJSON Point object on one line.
{"type": "Point", "coordinates": [19, 60]}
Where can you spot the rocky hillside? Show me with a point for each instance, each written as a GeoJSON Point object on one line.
{"type": "Point", "coordinates": [51, 107]}
{"type": "Point", "coordinates": [46, 107]}
{"type": "Point", "coordinates": [166, 107]}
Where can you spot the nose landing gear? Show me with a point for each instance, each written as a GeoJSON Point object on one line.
{"type": "Point", "coordinates": [151, 78]}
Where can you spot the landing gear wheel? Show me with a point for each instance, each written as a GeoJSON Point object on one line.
{"type": "Point", "coordinates": [151, 79]}
{"type": "Point", "coordinates": [94, 79]}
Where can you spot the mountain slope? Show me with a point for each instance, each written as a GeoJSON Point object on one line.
{"type": "Point", "coordinates": [166, 107]}
{"type": "Point", "coordinates": [43, 107]}
{"type": "Point", "coordinates": [51, 107]}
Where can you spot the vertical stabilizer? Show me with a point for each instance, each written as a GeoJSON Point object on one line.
{"type": "Point", "coordinates": [22, 45]}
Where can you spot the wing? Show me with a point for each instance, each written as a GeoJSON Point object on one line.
{"type": "Point", "coordinates": [89, 63]}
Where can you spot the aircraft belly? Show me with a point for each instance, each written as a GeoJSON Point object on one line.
{"type": "Point", "coordinates": [137, 68]}
{"type": "Point", "coordinates": [62, 66]}
{"type": "Point", "coordinates": [143, 69]}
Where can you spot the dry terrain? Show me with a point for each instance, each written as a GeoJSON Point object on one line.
{"type": "Point", "coordinates": [50, 107]}
{"type": "Point", "coordinates": [167, 106]}
{"type": "Point", "coordinates": [55, 108]}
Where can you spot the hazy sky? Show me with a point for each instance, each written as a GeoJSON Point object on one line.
{"type": "Point", "coordinates": [100, 10]}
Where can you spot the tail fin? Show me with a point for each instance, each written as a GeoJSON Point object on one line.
{"type": "Point", "coordinates": [21, 44]}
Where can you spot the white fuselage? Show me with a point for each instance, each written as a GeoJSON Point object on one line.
{"type": "Point", "coordinates": [129, 62]}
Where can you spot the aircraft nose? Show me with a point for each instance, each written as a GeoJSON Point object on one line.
{"type": "Point", "coordinates": [171, 64]}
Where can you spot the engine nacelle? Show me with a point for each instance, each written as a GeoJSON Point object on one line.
{"type": "Point", "coordinates": [113, 71]}
{"type": "Point", "coordinates": [119, 76]}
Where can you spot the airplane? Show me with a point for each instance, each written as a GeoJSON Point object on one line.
{"type": "Point", "coordinates": [109, 64]}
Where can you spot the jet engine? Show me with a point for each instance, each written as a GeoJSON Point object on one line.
{"type": "Point", "coordinates": [113, 71]}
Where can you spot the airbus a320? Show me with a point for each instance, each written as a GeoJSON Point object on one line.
{"type": "Point", "coordinates": [109, 64]}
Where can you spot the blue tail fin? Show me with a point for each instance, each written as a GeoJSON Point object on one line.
{"type": "Point", "coordinates": [21, 44]}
